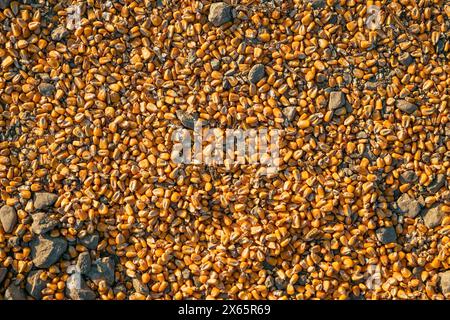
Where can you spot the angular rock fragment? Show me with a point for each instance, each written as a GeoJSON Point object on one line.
{"type": "Point", "coordinates": [406, 106]}
{"type": "Point", "coordinates": [256, 73]}
{"type": "Point", "coordinates": [45, 250]}
{"type": "Point", "coordinates": [8, 218]}
{"type": "Point", "coordinates": [15, 292]}
{"type": "Point", "coordinates": [90, 241]}
{"type": "Point", "coordinates": [102, 269]}
{"type": "Point", "coordinates": [337, 100]}
{"type": "Point", "coordinates": [186, 119]}
{"type": "Point", "coordinates": [408, 176]}
{"type": "Point", "coordinates": [436, 184]}
{"type": "Point", "coordinates": [35, 284]}
{"type": "Point", "coordinates": [386, 235]}
{"type": "Point", "coordinates": [290, 113]}
{"type": "Point", "coordinates": [42, 223]}
{"type": "Point", "coordinates": [77, 288]}
{"type": "Point", "coordinates": [44, 200]}
{"type": "Point", "coordinates": [220, 13]}
{"type": "Point", "coordinates": [84, 262]}
{"type": "Point", "coordinates": [46, 89]}
{"type": "Point", "coordinates": [433, 216]}
{"type": "Point", "coordinates": [140, 287]}
{"type": "Point", "coordinates": [408, 206]}
{"type": "Point", "coordinates": [444, 282]}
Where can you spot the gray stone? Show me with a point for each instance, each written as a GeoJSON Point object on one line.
{"type": "Point", "coordinates": [59, 33]}
{"type": "Point", "coordinates": [45, 250]}
{"type": "Point", "coordinates": [386, 235]}
{"type": "Point", "coordinates": [220, 13]}
{"type": "Point", "coordinates": [35, 284]}
{"type": "Point", "coordinates": [43, 223]}
{"type": "Point", "coordinates": [408, 206]}
{"type": "Point", "coordinates": [84, 263]}
{"type": "Point", "coordinates": [436, 184]}
{"type": "Point", "coordinates": [90, 241]}
{"type": "Point", "coordinates": [102, 269]}
{"type": "Point", "coordinates": [77, 288]}
{"type": "Point", "coordinates": [337, 100]}
{"type": "Point", "coordinates": [3, 273]}
{"type": "Point", "coordinates": [256, 73]}
{"type": "Point", "coordinates": [46, 89]}
{"type": "Point", "coordinates": [406, 106]}
{"type": "Point", "coordinates": [444, 281]}
{"type": "Point", "coordinates": [8, 218]}
{"type": "Point", "coordinates": [405, 59]}
{"type": "Point", "coordinates": [44, 200]}
{"type": "Point", "coordinates": [433, 216]}
{"type": "Point", "coordinates": [408, 176]}
{"type": "Point", "coordinates": [15, 292]}
{"type": "Point", "coordinates": [140, 287]}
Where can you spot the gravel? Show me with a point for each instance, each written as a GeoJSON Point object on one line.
{"type": "Point", "coordinates": [256, 73]}
{"type": "Point", "coordinates": [220, 13]}
{"type": "Point", "coordinates": [337, 100]}
{"type": "Point", "coordinates": [44, 200]}
{"type": "Point", "coordinates": [433, 216]}
{"type": "Point", "coordinates": [408, 206]}
{"type": "Point", "coordinates": [386, 235]}
{"type": "Point", "coordinates": [406, 106]}
{"type": "Point", "coordinates": [35, 284]}
{"type": "Point", "coordinates": [8, 218]}
{"type": "Point", "coordinates": [45, 250]}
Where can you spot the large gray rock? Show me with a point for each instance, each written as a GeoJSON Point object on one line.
{"type": "Point", "coordinates": [444, 282]}
{"type": "Point", "coordinates": [386, 235]}
{"type": "Point", "coordinates": [44, 200]}
{"type": "Point", "coordinates": [35, 284]}
{"type": "Point", "coordinates": [77, 289]}
{"type": "Point", "coordinates": [8, 218]}
{"type": "Point", "coordinates": [433, 216]}
{"type": "Point", "coordinates": [220, 13]}
{"type": "Point", "coordinates": [408, 206]}
{"type": "Point", "coordinates": [102, 269]}
{"type": "Point", "coordinates": [43, 223]}
{"type": "Point", "coordinates": [45, 250]}
{"type": "Point", "coordinates": [15, 292]}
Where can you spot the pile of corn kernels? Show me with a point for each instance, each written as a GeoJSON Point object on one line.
{"type": "Point", "coordinates": [93, 206]}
